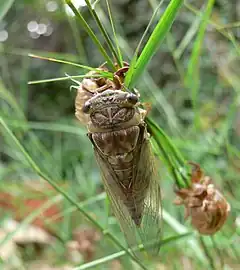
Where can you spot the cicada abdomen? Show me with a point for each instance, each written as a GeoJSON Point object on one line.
{"type": "Point", "coordinates": [204, 203]}
{"type": "Point", "coordinates": [118, 133]}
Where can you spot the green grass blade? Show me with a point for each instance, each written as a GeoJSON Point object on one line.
{"type": "Point", "coordinates": [175, 162]}
{"type": "Point", "coordinates": [114, 34]}
{"type": "Point", "coordinates": [155, 40]}
{"type": "Point", "coordinates": [207, 253]}
{"type": "Point", "coordinates": [230, 25]}
{"type": "Point", "coordinates": [26, 52]}
{"type": "Point", "coordinates": [89, 201]}
{"type": "Point", "coordinates": [179, 228]}
{"type": "Point", "coordinates": [188, 37]}
{"type": "Point", "coordinates": [95, 3]}
{"type": "Point", "coordinates": [234, 42]}
{"type": "Point", "coordinates": [53, 183]}
{"type": "Point", "coordinates": [218, 27]}
{"type": "Point", "coordinates": [9, 98]}
{"type": "Point", "coordinates": [134, 60]}
{"type": "Point", "coordinates": [116, 255]}
{"type": "Point", "coordinates": [218, 252]}
{"type": "Point", "coordinates": [91, 34]}
{"type": "Point", "coordinates": [171, 43]}
{"type": "Point", "coordinates": [104, 73]}
{"type": "Point", "coordinates": [148, 26]}
{"type": "Point", "coordinates": [128, 78]}
{"type": "Point", "coordinates": [64, 78]}
{"type": "Point", "coordinates": [38, 170]}
{"type": "Point", "coordinates": [162, 105]}
{"type": "Point", "coordinates": [192, 79]}
{"type": "Point", "coordinates": [81, 52]}
{"type": "Point", "coordinates": [103, 31]}
{"type": "Point", "coordinates": [47, 126]}
{"type": "Point", "coordinates": [4, 7]}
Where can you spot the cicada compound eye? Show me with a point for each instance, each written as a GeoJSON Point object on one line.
{"type": "Point", "coordinates": [131, 98]}
{"type": "Point", "coordinates": [86, 107]}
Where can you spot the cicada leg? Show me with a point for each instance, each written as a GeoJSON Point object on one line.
{"type": "Point", "coordinates": [197, 173]}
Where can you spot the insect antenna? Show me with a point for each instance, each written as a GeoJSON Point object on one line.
{"type": "Point", "coordinates": [71, 78]}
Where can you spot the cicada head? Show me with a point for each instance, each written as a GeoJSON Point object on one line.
{"type": "Point", "coordinates": [111, 108]}
{"type": "Point", "coordinates": [204, 203]}
{"type": "Point", "coordinates": [86, 90]}
{"type": "Point", "coordinates": [91, 86]}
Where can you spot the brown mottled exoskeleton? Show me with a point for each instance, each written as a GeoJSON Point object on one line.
{"type": "Point", "coordinates": [122, 148]}
{"type": "Point", "coordinates": [92, 85]}
{"type": "Point", "coordinates": [206, 206]}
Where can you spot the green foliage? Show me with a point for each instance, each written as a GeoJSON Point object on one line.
{"type": "Point", "coordinates": [153, 43]}
{"type": "Point", "coordinates": [4, 7]}
{"type": "Point", "coordinates": [192, 85]}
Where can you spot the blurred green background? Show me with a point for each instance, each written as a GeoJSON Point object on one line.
{"type": "Point", "coordinates": [203, 122]}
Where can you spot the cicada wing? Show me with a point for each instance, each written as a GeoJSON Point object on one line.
{"type": "Point", "coordinates": [147, 175]}
{"type": "Point", "coordinates": [116, 197]}
{"type": "Point", "coordinates": [145, 202]}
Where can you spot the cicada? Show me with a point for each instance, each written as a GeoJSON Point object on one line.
{"type": "Point", "coordinates": [203, 202]}
{"type": "Point", "coordinates": [118, 133]}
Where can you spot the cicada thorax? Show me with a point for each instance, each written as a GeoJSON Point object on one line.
{"type": "Point", "coordinates": [117, 131]}
{"type": "Point", "coordinates": [93, 85]}
{"type": "Point", "coordinates": [204, 203]}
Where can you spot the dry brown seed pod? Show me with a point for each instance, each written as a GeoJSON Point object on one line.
{"type": "Point", "coordinates": [92, 85]}
{"type": "Point", "coordinates": [204, 203]}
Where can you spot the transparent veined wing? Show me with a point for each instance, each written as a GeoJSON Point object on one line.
{"type": "Point", "coordinates": [145, 190]}
{"type": "Point", "coordinates": [120, 210]}
{"type": "Point", "coordinates": [152, 223]}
